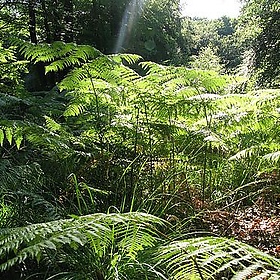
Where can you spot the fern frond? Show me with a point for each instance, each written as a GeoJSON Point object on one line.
{"type": "Point", "coordinates": [61, 64]}
{"type": "Point", "coordinates": [74, 109]}
{"type": "Point", "coordinates": [135, 239]}
{"type": "Point", "coordinates": [2, 137]}
{"type": "Point", "coordinates": [152, 67]}
{"type": "Point", "coordinates": [12, 131]}
{"type": "Point", "coordinates": [127, 75]}
{"type": "Point", "coordinates": [72, 80]}
{"type": "Point", "coordinates": [248, 152]}
{"type": "Point", "coordinates": [212, 258]}
{"type": "Point", "coordinates": [102, 68]}
{"type": "Point", "coordinates": [99, 231]}
{"type": "Point", "coordinates": [205, 97]}
{"type": "Point", "coordinates": [52, 125]}
{"type": "Point", "coordinates": [129, 58]}
{"type": "Point", "coordinates": [274, 157]}
{"type": "Point", "coordinates": [62, 55]}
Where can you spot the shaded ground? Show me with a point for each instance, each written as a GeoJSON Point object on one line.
{"type": "Point", "coordinates": [257, 225]}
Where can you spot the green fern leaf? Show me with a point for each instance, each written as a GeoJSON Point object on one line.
{"type": "Point", "coordinates": [129, 58]}
{"type": "Point", "coordinates": [9, 134]}
{"type": "Point", "coordinates": [2, 136]}
{"type": "Point", "coordinates": [209, 257]}
{"type": "Point", "coordinates": [18, 139]}
{"type": "Point", "coordinates": [275, 156]}
{"type": "Point", "coordinates": [248, 152]}
{"type": "Point", "coordinates": [98, 231]}
{"type": "Point", "coordinates": [52, 125]}
{"type": "Point", "coordinates": [74, 109]}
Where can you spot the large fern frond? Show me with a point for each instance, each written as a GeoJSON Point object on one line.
{"type": "Point", "coordinates": [217, 258]}
{"type": "Point", "coordinates": [65, 54]}
{"type": "Point", "coordinates": [130, 232]}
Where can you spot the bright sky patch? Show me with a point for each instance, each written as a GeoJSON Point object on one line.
{"type": "Point", "coordinates": [210, 9]}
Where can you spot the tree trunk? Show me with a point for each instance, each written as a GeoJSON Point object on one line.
{"type": "Point", "coordinates": [56, 20]}
{"type": "Point", "coordinates": [32, 21]}
{"type": "Point", "coordinates": [68, 21]}
{"type": "Point", "coordinates": [46, 22]}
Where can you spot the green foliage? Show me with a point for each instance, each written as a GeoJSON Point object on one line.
{"type": "Point", "coordinates": [11, 71]}
{"type": "Point", "coordinates": [125, 26]}
{"type": "Point", "coordinates": [216, 258]}
{"type": "Point", "coordinates": [259, 24]}
{"type": "Point", "coordinates": [119, 135]}
{"type": "Point", "coordinates": [113, 240]}
{"type": "Point", "coordinates": [207, 60]}
{"type": "Point", "coordinates": [220, 36]}
{"type": "Point", "coordinates": [113, 243]}
{"type": "Point", "coordinates": [23, 195]}
{"type": "Point", "coordinates": [113, 132]}
{"type": "Point", "coordinates": [112, 113]}
{"type": "Point", "coordinates": [157, 34]}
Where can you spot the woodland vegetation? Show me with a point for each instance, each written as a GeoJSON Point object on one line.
{"type": "Point", "coordinates": [138, 144]}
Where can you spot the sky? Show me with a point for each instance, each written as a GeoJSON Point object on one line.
{"type": "Point", "coordinates": [210, 9]}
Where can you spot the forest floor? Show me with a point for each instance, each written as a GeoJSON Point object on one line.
{"type": "Point", "coordinates": [257, 225]}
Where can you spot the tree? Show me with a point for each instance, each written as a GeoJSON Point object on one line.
{"type": "Point", "coordinates": [219, 34]}
{"type": "Point", "coordinates": [259, 24]}
{"type": "Point", "coordinates": [207, 60]}
{"type": "Point", "coordinates": [203, 33]}
{"type": "Point", "coordinates": [157, 34]}
{"type": "Point", "coordinates": [149, 28]}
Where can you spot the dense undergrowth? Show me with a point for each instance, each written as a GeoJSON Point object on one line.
{"type": "Point", "coordinates": [165, 153]}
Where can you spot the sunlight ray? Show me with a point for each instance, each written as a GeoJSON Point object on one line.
{"type": "Point", "coordinates": [132, 11]}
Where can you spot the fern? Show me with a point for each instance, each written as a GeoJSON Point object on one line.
{"type": "Point", "coordinates": [12, 131]}
{"type": "Point", "coordinates": [274, 157]}
{"type": "Point", "coordinates": [114, 127]}
{"type": "Point", "coordinates": [129, 58]}
{"type": "Point", "coordinates": [2, 136]}
{"type": "Point", "coordinates": [130, 232]}
{"type": "Point", "coordinates": [65, 54]}
{"type": "Point", "coordinates": [246, 153]}
{"type": "Point", "coordinates": [212, 258]}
